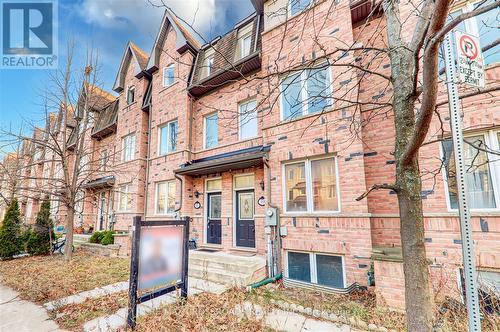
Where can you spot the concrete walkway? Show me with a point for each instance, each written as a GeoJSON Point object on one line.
{"type": "Point", "coordinates": [19, 315]}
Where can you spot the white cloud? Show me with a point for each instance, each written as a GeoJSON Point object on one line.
{"type": "Point", "coordinates": [206, 16]}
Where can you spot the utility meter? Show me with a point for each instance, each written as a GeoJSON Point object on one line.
{"type": "Point", "coordinates": [271, 217]}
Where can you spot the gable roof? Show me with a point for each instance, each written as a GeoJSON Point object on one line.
{"type": "Point", "coordinates": [132, 52]}
{"type": "Point", "coordinates": [184, 41]}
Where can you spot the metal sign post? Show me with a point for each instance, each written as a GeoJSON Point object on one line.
{"type": "Point", "coordinates": [465, 218]}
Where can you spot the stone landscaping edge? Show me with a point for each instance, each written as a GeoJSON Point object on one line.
{"type": "Point", "coordinates": [287, 306]}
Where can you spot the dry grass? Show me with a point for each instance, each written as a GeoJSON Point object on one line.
{"type": "Point", "coordinates": [203, 312]}
{"type": "Point", "coordinates": [46, 278]}
{"type": "Point", "coordinates": [358, 304]}
{"type": "Point", "coordinates": [72, 316]}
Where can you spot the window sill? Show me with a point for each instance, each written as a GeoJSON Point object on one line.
{"type": "Point", "coordinates": [310, 214]}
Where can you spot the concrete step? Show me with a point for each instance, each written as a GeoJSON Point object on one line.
{"type": "Point", "coordinates": [220, 276]}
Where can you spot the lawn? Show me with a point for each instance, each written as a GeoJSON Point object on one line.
{"type": "Point", "coordinates": [203, 312]}
{"type": "Point", "coordinates": [46, 278]}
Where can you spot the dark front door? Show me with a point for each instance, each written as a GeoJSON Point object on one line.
{"type": "Point", "coordinates": [245, 221]}
{"type": "Point", "coordinates": [214, 230]}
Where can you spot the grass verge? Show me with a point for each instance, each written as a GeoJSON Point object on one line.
{"type": "Point", "coordinates": [72, 317]}
{"type": "Point", "coordinates": [46, 278]}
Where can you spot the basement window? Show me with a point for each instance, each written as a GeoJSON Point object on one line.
{"type": "Point", "coordinates": [322, 269]}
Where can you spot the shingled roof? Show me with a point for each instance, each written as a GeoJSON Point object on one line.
{"type": "Point", "coordinates": [227, 66]}
{"type": "Point", "coordinates": [132, 53]}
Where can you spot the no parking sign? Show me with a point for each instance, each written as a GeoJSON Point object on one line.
{"type": "Point", "coordinates": [470, 60]}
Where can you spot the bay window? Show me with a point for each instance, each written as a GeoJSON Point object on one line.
{"type": "Point", "coordinates": [168, 137]}
{"type": "Point", "coordinates": [165, 197]}
{"type": "Point", "coordinates": [316, 268]}
{"type": "Point", "coordinates": [311, 186]}
{"type": "Point", "coordinates": [305, 92]}
{"type": "Point", "coordinates": [482, 165]}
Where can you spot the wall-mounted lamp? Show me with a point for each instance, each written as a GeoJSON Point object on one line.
{"type": "Point", "coordinates": [197, 194]}
{"type": "Point", "coordinates": [262, 185]}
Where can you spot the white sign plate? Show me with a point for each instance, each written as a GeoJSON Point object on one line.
{"type": "Point", "coordinates": [470, 59]}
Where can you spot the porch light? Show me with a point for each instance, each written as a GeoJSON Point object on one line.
{"type": "Point", "coordinates": [262, 185]}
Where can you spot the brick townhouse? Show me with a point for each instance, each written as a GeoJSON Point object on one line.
{"type": "Point", "coordinates": [225, 131]}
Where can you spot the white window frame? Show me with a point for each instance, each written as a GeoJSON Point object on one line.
{"type": "Point", "coordinates": [240, 105]}
{"type": "Point", "coordinates": [208, 62]}
{"type": "Point", "coordinates": [309, 187]}
{"type": "Point", "coordinates": [303, 90]}
{"type": "Point", "coordinates": [491, 140]}
{"type": "Point", "coordinates": [313, 266]}
{"type": "Point", "coordinates": [244, 33]}
{"type": "Point", "coordinates": [126, 193]}
{"type": "Point", "coordinates": [165, 69]}
{"type": "Point", "coordinates": [167, 182]}
{"type": "Point", "coordinates": [205, 130]}
{"type": "Point", "coordinates": [124, 147]}
{"type": "Point", "coordinates": [167, 125]}
{"type": "Point", "coordinates": [131, 87]}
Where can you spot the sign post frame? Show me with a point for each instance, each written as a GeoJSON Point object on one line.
{"type": "Point", "coordinates": [134, 300]}
{"type": "Point", "coordinates": [468, 256]}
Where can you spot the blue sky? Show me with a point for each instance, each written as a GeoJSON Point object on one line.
{"type": "Point", "coordinates": [107, 26]}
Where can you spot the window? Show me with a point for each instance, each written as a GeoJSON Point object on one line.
{"type": "Point", "coordinates": [165, 197]}
{"type": "Point", "coordinates": [296, 6]}
{"type": "Point", "coordinates": [244, 41]}
{"type": "Point", "coordinates": [311, 186]}
{"type": "Point", "coordinates": [327, 270]}
{"type": "Point", "coordinates": [211, 134]}
{"type": "Point", "coordinates": [168, 137]}
{"type": "Point", "coordinates": [485, 26]}
{"type": "Point", "coordinates": [244, 181]}
{"type": "Point", "coordinates": [104, 160]}
{"type": "Point", "coordinates": [124, 198]}
{"type": "Point", "coordinates": [128, 147]}
{"type": "Point", "coordinates": [208, 62]}
{"type": "Point", "coordinates": [482, 167]}
{"type": "Point", "coordinates": [305, 92]}
{"type": "Point", "coordinates": [130, 94]}
{"type": "Point", "coordinates": [248, 119]}
{"type": "Point", "coordinates": [168, 75]}
{"type": "Point", "coordinates": [214, 185]}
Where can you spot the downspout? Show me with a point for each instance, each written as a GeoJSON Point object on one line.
{"type": "Point", "coordinates": [148, 156]}
{"type": "Point", "coordinates": [180, 201]}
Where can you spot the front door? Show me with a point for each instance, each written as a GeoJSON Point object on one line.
{"type": "Point", "coordinates": [245, 221]}
{"type": "Point", "coordinates": [214, 229]}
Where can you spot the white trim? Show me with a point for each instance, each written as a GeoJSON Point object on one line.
{"type": "Point", "coordinates": [309, 188]}
{"type": "Point", "coordinates": [157, 185]}
{"type": "Point", "coordinates": [493, 168]}
{"type": "Point", "coordinates": [303, 74]}
{"type": "Point", "coordinates": [205, 207]}
{"type": "Point", "coordinates": [313, 266]}
{"type": "Point", "coordinates": [172, 65]}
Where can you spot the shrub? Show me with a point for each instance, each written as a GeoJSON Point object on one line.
{"type": "Point", "coordinates": [10, 232]}
{"type": "Point", "coordinates": [38, 239]}
{"type": "Point", "coordinates": [107, 238]}
{"type": "Point", "coordinates": [96, 237]}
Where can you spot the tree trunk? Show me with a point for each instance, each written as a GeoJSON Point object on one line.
{"type": "Point", "coordinates": [415, 265]}
{"type": "Point", "coordinates": [68, 248]}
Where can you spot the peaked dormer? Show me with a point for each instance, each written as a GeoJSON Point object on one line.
{"type": "Point", "coordinates": [132, 53]}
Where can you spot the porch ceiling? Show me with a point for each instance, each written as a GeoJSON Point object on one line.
{"type": "Point", "coordinates": [244, 158]}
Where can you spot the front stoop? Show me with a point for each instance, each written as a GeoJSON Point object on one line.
{"type": "Point", "coordinates": [227, 269]}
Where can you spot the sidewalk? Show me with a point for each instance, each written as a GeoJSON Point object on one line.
{"type": "Point", "coordinates": [19, 315]}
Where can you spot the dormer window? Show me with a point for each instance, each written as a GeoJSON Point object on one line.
{"type": "Point", "coordinates": [208, 62]}
{"type": "Point", "coordinates": [244, 41]}
{"type": "Point", "coordinates": [296, 6]}
{"type": "Point", "coordinates": [130, 94]}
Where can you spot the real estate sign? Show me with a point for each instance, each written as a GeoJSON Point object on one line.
{"type": "Point", "coordinates": [470, 60]}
